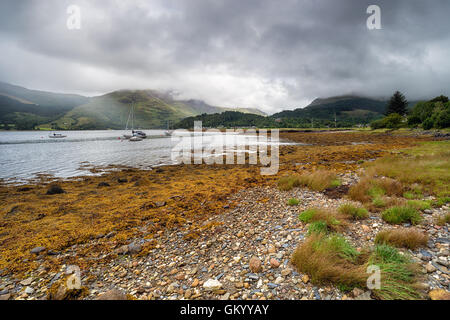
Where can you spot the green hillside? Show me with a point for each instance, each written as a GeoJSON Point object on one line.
{"type": "Point", "coordinates": [23, 109]}
{"type": "Point", "coordinates": [152, 110]}
{"type": "Point", "coordinates": [321, 113]}
{"type": "Point", "coordinates": [348, 109]}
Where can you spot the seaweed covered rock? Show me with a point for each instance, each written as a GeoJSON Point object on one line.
{"type": "Point", "coordinates": [68, 287]}
{"type": "Point", "coordinates": [55, 189]}
{"type": "Point", "coordinates": [103, 184]}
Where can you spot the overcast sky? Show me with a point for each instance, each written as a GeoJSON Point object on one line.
{"type": "Point", "coordinates": [268, 54]}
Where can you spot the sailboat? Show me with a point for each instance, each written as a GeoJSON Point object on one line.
{"type": "Point", "coordinates": [136, 135]}
{"type": "Point", "coordinates": [168, 132]}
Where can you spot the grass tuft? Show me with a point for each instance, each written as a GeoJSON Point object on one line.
{"type": "Point", "coordinates": [441, 220]}
{"type": "Point", "coordinates": [329, 259]}
{"type": "Point", "coordinates": [369, 189]}
{"type": "Point", "coordinates": [293, 202]}
{"type": "Point", "coordinates": [398, 274]}
{"type": "Point", "coordinates": [404, 237]}
{"type": "Point", "coordinates": [398, 215]}
{"type": "Point", "coordinates": [287, 183]}
{"type": "Point", "coordinates": [319, 180]}
{"type": "Point", "coordinates": [419, 204]}
{"type": "Point", "coordinates": [353, 211]}
{"type": "Point", "coordinates": [318, 227]}
{"type": "Point", "coordinates": [333, 220]}
{"type": "Point", "coordinates": [441, 202]}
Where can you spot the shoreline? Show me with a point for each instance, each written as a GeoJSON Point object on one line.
{"type": "Point", "coordinates": [106, 223]}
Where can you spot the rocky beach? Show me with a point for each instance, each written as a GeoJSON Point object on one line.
{"type": "Point", "coordinates": [204, 232]}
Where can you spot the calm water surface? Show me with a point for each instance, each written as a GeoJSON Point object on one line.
{"type": "Point", "coordinates": [25, 155]}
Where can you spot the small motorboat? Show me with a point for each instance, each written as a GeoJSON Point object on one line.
{"type": "Point", "coordinates": [56, 136]}
{"type": "Point", "coordinates": [135, 139]}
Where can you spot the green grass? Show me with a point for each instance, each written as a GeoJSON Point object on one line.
{"type": "Point", "coordinates": [376, 192]}
{"type": "Point", "coordinates": [319, 180]}
{"type": "Point", "coordinates": [419, 204]}
{"type": "Point", "coordinates": [379, 202]}
{"type": "Point", "coordinates": [441, 201]}
{"type": "Point", "coordinates": [335, 183]}
{"type": "Point", "coordinates": [307, 215]}
{"type": "Point", "coordinates": [333, 220]}
{"type": "Point", "coordinates": [398, 274]}
{"type": "Point", "coordinates": [287, 183]}
{"type": "Point", "coordinates": [331, 258]}
{"type": "Point", "coordinates": [427, 165]}
{"type": "Point", "coordinates": [339, 245]}
{"type": "Point", "coordinates": [398, 215]}
{"type": "Point", "coordinates": [318, 227]}
{"type": "Point", "coordinates": [353, 211]}
{"type": "Point", "coordinates": [293, 202]}
{"type": "Point", "coordinates": [443, 219]}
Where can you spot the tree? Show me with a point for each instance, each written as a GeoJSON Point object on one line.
{"type": "Point", "coordinates": [397, 104]}
{"type": "Point", "coordinates": [441, 98]}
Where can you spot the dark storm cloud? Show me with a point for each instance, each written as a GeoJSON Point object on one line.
{"type": "Point", "coordinates": [255, 53]}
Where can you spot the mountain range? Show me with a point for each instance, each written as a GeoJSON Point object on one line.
{"type": "Point", "coordinates": [339, 111]}
{"type": "Point", "coordinates": [22, 108]}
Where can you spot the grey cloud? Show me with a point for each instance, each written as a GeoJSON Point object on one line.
{"type": "Point", "coordinates": [255, 53]}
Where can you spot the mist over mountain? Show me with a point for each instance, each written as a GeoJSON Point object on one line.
{"type": "Point", "coordinates": [22, 108]}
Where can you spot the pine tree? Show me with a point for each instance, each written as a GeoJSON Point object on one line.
{"type": "Point", "coordinates": [397, 104]}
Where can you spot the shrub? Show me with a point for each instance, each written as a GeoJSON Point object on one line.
{"type": "Point", "coordinates": [293, 202]}
{"type": "Point", "coordinates": [428, 124]}
{"type": "Point", "coordinates": [353, 211]}
{"type": "Point", "coordinates": [287, 183]}
{"type": "Point", "coordinates": [398, 215]}
{"type": "Point", "coordinates": [443, 119]}
{"type": "Point", "coordinates": [404, 237]}
{"type": "Point", "coordinates": [392, 121]}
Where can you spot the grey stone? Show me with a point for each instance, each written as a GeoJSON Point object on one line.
{"type": "Point", "coordinates": [29, 290]}
{"type": "Point", "coordinates": [113, 294]}
{"type": "Point", "coordinates": [37, 250]}
{"type": "Point", "coordinates": [134, 248]}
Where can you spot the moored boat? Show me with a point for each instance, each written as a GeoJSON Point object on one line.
{"type": "Point", "coordinates": [57, 136]}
